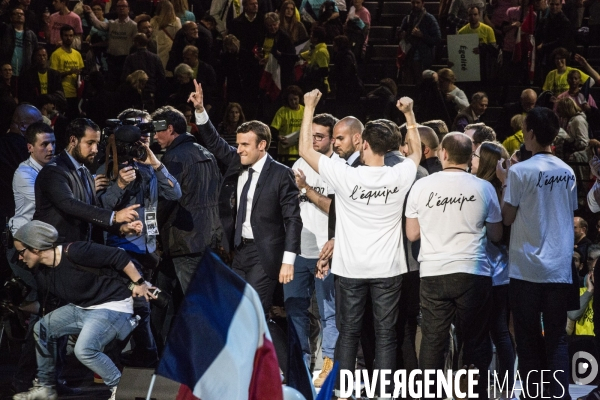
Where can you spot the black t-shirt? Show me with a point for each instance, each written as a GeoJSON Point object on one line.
{"type": "Point", "coordinates": [75, 280]}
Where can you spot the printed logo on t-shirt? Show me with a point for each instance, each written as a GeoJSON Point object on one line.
{"type": "Point", "coordinates": [69, 64]}
{"type": "Point", "coordinates": [545, 180]}
{"type": "Point", "coordinates": [359, 193]}
{"type": "Point", "coordinates": [436, 200]}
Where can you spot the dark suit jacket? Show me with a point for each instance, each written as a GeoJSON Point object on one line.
{"type": "Point", "coordinates": [275, 218]}
{"type": "Point", "coordinates": [61, 202]}
{"type": "Point", "coordinates": [29, 87]}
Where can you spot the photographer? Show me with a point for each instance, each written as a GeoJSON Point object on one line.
{"type": "Point", "coordinates": [139, 181]}
{"type": "Point", "coordinates": [100, 305]}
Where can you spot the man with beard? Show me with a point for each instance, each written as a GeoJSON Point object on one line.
{"type": "Point", "coordinates": [65, 193]}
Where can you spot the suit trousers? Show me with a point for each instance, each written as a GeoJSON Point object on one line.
{"type": "Point", "coordinates": [246, 263]}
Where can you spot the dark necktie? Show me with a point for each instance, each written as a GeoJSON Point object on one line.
{"type": "Point", "coordinates": [241, 215]}
{"type": "Point", "coordinates": [89, 195]}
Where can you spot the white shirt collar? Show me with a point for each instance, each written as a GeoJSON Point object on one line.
{"type": "Point", "coordinates": [259, 165]}
{"type": "Point", "coordinates": [36, 164]}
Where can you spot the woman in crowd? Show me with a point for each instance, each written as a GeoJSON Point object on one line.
{"type": "Point", "coordinates": [184, 76]}
{"type": "Point", "coordinates": [233, 118]}
{"type": "Point", "coordinates": [483, 165]}
{"type": "Point", "coordinates": [456, 99]}
{"type": "Point", "coordinates": [576, 126]}
{"type": "Point", "coordinates": [132, 93]}
{"type": "Point", "coordinates": [165, 25]}
{"type": "Point", "coordinates": [182, 10]}
{"type": "Point", "coordinates": [290, 22]}
{"type": "Point", "coordinates": [288, 120]}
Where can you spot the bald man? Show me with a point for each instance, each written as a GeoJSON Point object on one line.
{"type": "Point", "coordinates": [13, 151]}
{"type": "Point", "coordinates": [429, 144]}
{"type": "Point", "coordinates": [526, 102]}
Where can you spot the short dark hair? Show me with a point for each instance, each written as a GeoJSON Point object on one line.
{"type": "Point", "coordinates": [208, 18]}
{"type": "Point", "coordinates": [293, 89]}
{"type": "Point", "coordinates": [478, 96]}
{"type": "Point", "coordinates": [458, 146]}
{"type": "Point", "coordinates": [78, 126]}
{"type": "Point", "coordinates": [342, 42]}
{"type": "Point", "coordinates": [35, 128]}
{"type": "Point", "coordinates": [396, 137]}
{"type": "Point", "coordinates": [390, 84]}
{"type": "Point", "coordinates": [45, 99]}
{"type": "Point", "coordinates": [440, 128]}
{"type": "Point", "coordinates": [261, 130]}
{"type": "Point", "coordinates": [134, 113]}
{"type": "Point", "coordinates": [319, 33]}
{"type": "Point", "coordinates": [544, 124]}
{"type": "Point", "coordinates": [173, 117]}
{"type": "Point", "coordinates": [140, 40]}
{"type": "Point", "coordinates": [65, 28]}
{"type": "Point", "coordinates": [379, 136]}
{"type": "Point", "coordinates": [483, 133]}
{"type": "Point", "coordinates": [326, 120]}
{"type": "Point", "coordinates": [143, 18]}
{"type": "Point", "coordinates": [560, 52]}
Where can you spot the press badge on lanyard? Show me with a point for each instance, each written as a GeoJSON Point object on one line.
{"type": "Point", "coordinates": [151, 225]}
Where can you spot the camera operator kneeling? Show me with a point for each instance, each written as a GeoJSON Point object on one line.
{"type": "Point", "coordinates": [100, 309]}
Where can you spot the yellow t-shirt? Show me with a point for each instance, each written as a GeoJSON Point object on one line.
{"type": "Point", "coordinates": [485, 33]}
{"type": "Point", "coordinates": [557, 83]}
{"type": "Point", "coordinates": [585, 324]}
{"type": "Point", "coordinates": [287, 121]}
{"type": "Point", "coordinates": [268, 45]}
{"type": "Point", "coordinates": [318, 57]}
{"type": "Point", "coordinates": [43, 82]}
{"type": "Point", "coordinates": [513, 143]}
{"type": "Point", "coordinates": [62, 61]}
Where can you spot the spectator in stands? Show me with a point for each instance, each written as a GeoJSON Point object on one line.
{"type": "Point", "coordinates": [361, 20]}
{"type": "Point", "coordinates": [189, 35]}
{"type": "Point", "coordinates": [232, 119]}
{"type": "Point", "coordinates": [290, 22]}
{"type": "Point", "coordinates": [145, 26]}
{"type": "Point", "coordinates": [381, 102]}
{"type": "Point", "coordinates": [429, 102]}
{"type": "Point", "coordinates": [582, 243]}
{"type": "Point", "coordinates": [526, 102]}
{"type": "Point", "coordinates": [440, 128]}
{"type": "Point", "coordinates": [514, 142]}
{"type": "Point", "coordinates": [230, 69]}
{"type": "Point", "coordinates": [470, 115]}
{"type": "Point", "coordinates": [8, 83]}
{"type": "Point", "coordinates": [98, 39]}
{"type": "Point", "coordinates": [479, 133]}
{"type": "Point", "coordinates": [132, 93]}
{"type": "Point", "coordinates": [555, 32]}
{"type": "Point", "coordinates": [329, 20]}
{"type": "Point", "coordinates": [182, 10]}
{"type": "Point", "coordinates": [458, 13]}
{"type": "Point", "coordinates": [63, 16]}
{"type": "Point", "coordinates": [537, 254]}
{"type": "Point", "coordinates": [574, 10]}
{"type": "Point", "coordinates": [574, 92]}
{"type": "Point", "coordinates": [514, 65]}
{"type": "Point", "coordinates": [204, 73]}
{"type": "Point", "coordinates": [165, 25]}
{"type": "Point", "coordinates": [40, 80]}
{"type": "Point", "coordinates": [279, 44]}
{"type": "Point", "coordinates": [348, 85]}
{"type": "Point", "coordinates": [317, 71]}
{"type": "Point", "coordinates": [120, 37]}
{"type": "Point", "coordinates": [68, 62]}
{"type": "Point", "coordinates": [422, 31]}
{"type": "Point", "coordinates": [287, 120]}
{"type": "Point", "coordinates": [456, 99]}
{"type": "Point", "coordinates": [146, 61]}
{"type": "Point", "coordinates": [556, 80]}
{"type": "Point", "coordinates": [429, 145]}
{"type": "Point", "coordinates": [577, 127]}
{"type": "Point", "coordinates": [485, 32]}
{"type": "Point", "coordinates": [17, 43]}
{"type": "Point", "coordinates": [184, 77]}
{"type": "Point", "coordinates": [583, 317]}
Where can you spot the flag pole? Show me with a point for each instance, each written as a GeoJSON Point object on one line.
{"type": "Point", "coordinates": [151, 386]}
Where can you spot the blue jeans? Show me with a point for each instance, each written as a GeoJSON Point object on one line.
{"type": "Point", "coordinates": [536, 352]}
{"type": "Point", "coordinates": [297, 295]}
{"type": "Point", "coordinates": [501, 335]}
{"type": "Point", "coordinates": [96, 328]}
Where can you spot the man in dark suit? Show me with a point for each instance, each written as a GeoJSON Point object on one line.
{"type": "Point", "coordinates": [30, 87]}
{"type": "Point", "coordinates": [65, 192]}
{"type": "Point", "coordinates": [190, 35]}
{"type": "Point", "coordinates": [259, 205]}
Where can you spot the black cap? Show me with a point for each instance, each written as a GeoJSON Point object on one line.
{"type": "Point", "coordinates": [128, 134]}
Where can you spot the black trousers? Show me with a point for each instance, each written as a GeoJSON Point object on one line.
{"type": "Point", "coordinates": [246, 264]}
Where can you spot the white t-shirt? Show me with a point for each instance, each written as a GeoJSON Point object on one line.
{"type": "Point", "coordinates": [541, 242]}
{"type": "Point", "coordinates": [314, 221]}
{"type": "Point", "coordinates": [452, 208]}
{"type": "Point", "coordinates": [592, 203]}
{"type": "Point", "coordinates": [368, 230]}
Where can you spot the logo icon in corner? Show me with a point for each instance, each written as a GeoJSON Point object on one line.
{"type": "Point", "coordinates": [584, 368]}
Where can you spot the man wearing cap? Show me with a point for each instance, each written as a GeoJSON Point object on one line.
{"type": "Point", "coordinates": [88, 276]}
{"type": "Point", "coordinates": [141, 183]}
{"type": "Point", "coordinates": [65, 194]}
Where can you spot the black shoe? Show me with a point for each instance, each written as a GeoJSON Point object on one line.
{"type": "Point", "coordinates": [130, 359]}
{"type": "Point", "coordinates": [63, 390]}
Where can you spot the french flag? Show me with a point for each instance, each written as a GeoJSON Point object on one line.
{"type": "Point", "coordinates": [270, 81]}
{"type": "Point", "coordinates": [219, 346]}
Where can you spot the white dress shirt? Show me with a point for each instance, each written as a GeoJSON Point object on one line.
{"type": "Point", "coordinates": [23, 188]}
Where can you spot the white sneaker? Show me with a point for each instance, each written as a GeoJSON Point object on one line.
{"type": "Point", "coordinates": [113, 395]}
{"type": "Point", "coordinates": [37, 392]}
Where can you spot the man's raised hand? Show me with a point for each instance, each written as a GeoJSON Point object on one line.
{"type": "Point", "coordinates": [312, 98]}
{"type": "Point", "coordinates": [197, 98]}
{"type": "Point", "coordinates": [405, 104]}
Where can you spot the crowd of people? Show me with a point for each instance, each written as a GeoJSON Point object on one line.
{"type": "Point", "coordinates": [402, 220]}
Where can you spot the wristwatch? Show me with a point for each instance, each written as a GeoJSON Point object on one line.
{"type": "Point", "coordinates": [139, 282]}
{"type": "Point", "coordinates": [303, 191]}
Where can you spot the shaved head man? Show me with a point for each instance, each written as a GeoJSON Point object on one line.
{"type": "Point", "coordinates": [347, 138]}
{"type": "Point", "coordinates": [430, 144]}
